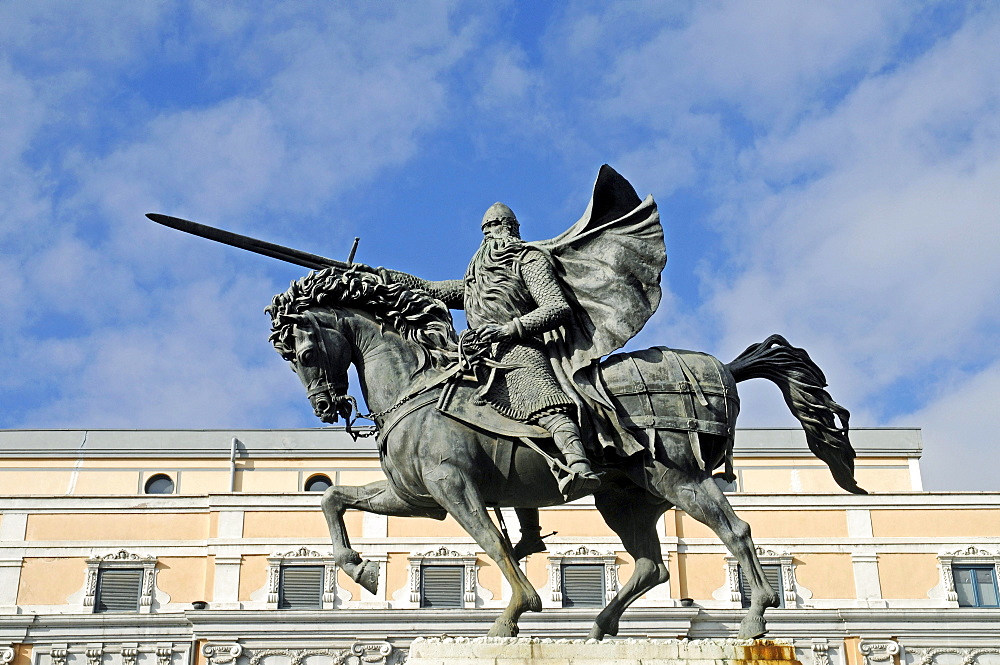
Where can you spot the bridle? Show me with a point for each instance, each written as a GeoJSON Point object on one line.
{"type": "Point", "coordinates": [326, 384]}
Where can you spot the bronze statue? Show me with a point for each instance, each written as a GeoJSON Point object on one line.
{"type": "Point", "coordinates": [466, 422]}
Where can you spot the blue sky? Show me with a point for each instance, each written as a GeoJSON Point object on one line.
{"type": "Point", "coordinates": [828, 171]}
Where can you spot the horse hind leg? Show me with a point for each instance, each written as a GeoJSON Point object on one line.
{"type": "Point", "coordinates": [703, 500]}
{"type": "Point", "coordinates": [633, 518]}
{"type": "Point", "coordinates": [462, 499]}
{"type": "Point", "coordinates": [378, 498]}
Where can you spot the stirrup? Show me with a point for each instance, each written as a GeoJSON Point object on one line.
{"type": "Point", "coordinates": [576, 485]}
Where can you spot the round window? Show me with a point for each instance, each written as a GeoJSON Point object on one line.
{"type": "Point", "coordinates": [160, 484]}
{"type": "Point", "coordinates": [318, 483]}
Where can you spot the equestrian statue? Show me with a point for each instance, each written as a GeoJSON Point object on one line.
{"type": "Point", "coordinates": [532, 406]}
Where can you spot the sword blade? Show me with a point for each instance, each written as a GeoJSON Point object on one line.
{"type": "Point", "coordinates": [287, 254]}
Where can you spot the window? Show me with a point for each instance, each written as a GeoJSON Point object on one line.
{"type": "Point", "coordinates": [583, 585]}
{"type": "Point", "coordinates": [160, 484]}
{"type": "Point", "coordinates": [120, 582]}
{"type": "Point", "coordinates": [302, 579]}
{"type": "Point", "coordinates": [772, 573]}
{"type": "Point", "coordinates": [318, 483]}
{"type": "Point", "coordinates": [779, 571]}
{"type": "Point", "coordinates": [118, 590]}
{"type": "Point", "coordinates": [583, 577]}
{"type": "Point", "coordinates": [976, 586]}
{"type": "Point", "coordinates": [301, 588]}
{"type": "Point", "coordinates": [441, 586]}
{"type": "Point", "coordinates": [443, 578]}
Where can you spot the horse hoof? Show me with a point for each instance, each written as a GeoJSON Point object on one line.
{"type": "Point", "coordinates": [367, 576]}
{"type": "Point", "coordinates": [752, 627]}
{"type": "Point", "coordinates": [503, 628]}
{"type": "Point", "coordinates": [596, 633]}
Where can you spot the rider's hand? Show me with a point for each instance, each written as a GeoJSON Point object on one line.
{"type": "Point", "coordinates": [493, 332]}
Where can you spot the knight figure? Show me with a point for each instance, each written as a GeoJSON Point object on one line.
{"type": "Point", "coordinates": [548, 311]}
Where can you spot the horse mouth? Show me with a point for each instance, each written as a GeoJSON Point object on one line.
{"type": "Point", "coordinates": [329, 408]}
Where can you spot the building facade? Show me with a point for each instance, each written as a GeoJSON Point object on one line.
{"type": "Point", "coordinates": [209, 548]}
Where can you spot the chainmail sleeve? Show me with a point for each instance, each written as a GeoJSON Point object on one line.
{"type": "Point", "coordinates": [552, 309]}
{"type": "Point", "coordinates": [450, 291]}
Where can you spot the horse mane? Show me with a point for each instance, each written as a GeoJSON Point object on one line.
{"type": "Point", "coordinates": [419, 318]}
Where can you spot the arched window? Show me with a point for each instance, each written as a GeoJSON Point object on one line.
{"type": "Point", "coordinates": [160, 483]}
{"type": "Point", "coordinates": [318, 483]}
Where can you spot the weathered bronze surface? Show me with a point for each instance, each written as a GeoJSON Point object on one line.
{"type": "Point", "coordinates": [526, 408]}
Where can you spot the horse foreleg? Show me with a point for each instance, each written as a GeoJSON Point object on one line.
{"type": "Point", "coordinates": [377, 497]}
{"type": "Point", "coordinates": [463, 500]}
{"type": "Point", "coordinates": [633, 518]}
{"type": "Point", "coordinates": [703, 500]}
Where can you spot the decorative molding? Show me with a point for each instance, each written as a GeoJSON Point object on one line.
{"type": "Point", "coordinates": [970, 554]}
{"type": "Point", "coordinates": [767, 557]}
{"type": "Point", "coordinates": [57, 655]}
{"type": "Point", "coordinates": [878, 651]}
{"type": "Point", "coordinates": [968, 656]}
{"type": "Point", "coordinates": [821, 651]}
{"type": "Point", "coordinates": [7, 654]}
{"type": "Point", "coordinates": [359, 653]}
{"type": "Point", "coordinates": [122, 559]}
{"type": "Point", "coordinates": [443, 556]}
{"type": "Point", "coordinates": [129, 655]}
{"type": "Point", "coordinates": [164, 654]}
{"type": "Point", "coordinates": [583, 554]}
{"type": "Point", "coordinates": [219, 654]}
{"type": "Point", "coordinates": [95, 653]}
{"type": "Point", "coordinates": [302, 557]}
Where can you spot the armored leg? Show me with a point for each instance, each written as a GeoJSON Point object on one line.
{"type": "Point", "coordinates": [567, 439]}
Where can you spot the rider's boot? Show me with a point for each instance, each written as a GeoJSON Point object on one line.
{"type": "Point", "coordinates": [566, 436]}
{"type": "Point", "coordinates": [531, 533]}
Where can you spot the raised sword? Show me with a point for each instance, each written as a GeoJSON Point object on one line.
{"type": "Point", "coordinates": [287, 254]}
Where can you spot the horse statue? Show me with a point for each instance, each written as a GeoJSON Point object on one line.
{"type": "Point", "coordinates": [406, 352]}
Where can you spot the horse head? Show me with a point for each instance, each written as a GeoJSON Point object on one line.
{"type": "Point", "coordinates": [320, 355]}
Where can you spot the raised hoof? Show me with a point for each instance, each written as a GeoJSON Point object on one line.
{"type": "Point", "coordinates": [367, 576]}
{"type": "Point", "coordinates": [503, 628]}
{"type": "Point", "coordinates": [752, 627]}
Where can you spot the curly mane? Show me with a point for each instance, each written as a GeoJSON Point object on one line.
{"type": "Point", "coordinates": [416, 316]}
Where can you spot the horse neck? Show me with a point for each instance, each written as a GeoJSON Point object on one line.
{"type": "Point", "coordinates": [386, 363]}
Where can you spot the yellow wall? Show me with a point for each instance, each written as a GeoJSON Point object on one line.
{"type": "Point", "coordinates": [108, 482]}
{"type": "Point", "coordinates": [118, 526]}
{"type": "Point", "coordinates": [295, 524]}
{"type": "Point", "coordinates": [34, 482]}
{"type": "Point", "coordinates": [939, 523]}
{"type": "Point", "coordinates": [907, 575]}
{"type": "Point", "coordinates": [796, 523]}
{"type": "Point", "coordinates": [408, 527]}
{"type": "Point", "coordinates": [397, 569]}
{"type": "Point", "coordinates": [575, 523]}
{"type": "Point", "coordinates": [253, 575]}
{"type": "Point", "coordinates": [701, 574]}
{"type": "Point", "coordinates": [182, 578]}
{"type": "Point", "coordinates": [345, 582]}
{"type": "Point", "coordinates": [46, 581]}
{"type": "Point", "coordinates": [826, 575]}
{"type": "Point", "coordinates": [490, 576]}
{"type": "Point", "coordinates": [22, 655]}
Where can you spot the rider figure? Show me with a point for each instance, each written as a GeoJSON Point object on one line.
{"type": "Point", "coordinates": [511, 296]}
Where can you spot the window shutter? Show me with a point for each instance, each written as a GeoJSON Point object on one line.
{"type": "Point", "coordinates": [583, 585]}
{"type": "Point", "coordinates": [442, 586]}
{"type": "Point", "coordinates": [118, 590]}
{"type": "Point", "coordinates": [301, 588]}
{"type": "Point", "coordinates": [772, 573]}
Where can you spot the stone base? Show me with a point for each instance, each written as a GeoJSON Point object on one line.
{"type": "Point", "coordinates": [529, 650]}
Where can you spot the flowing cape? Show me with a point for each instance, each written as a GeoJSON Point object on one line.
{"type": "Point", "coordinates": [609, 263]}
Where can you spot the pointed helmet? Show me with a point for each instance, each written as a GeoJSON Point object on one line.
{"type": "Point", "coordinates": [498, 211]}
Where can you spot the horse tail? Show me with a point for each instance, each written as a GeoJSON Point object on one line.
{"type": "Point", "coordinates": [802, 384]}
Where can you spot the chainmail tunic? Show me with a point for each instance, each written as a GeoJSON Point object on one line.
{"type": "Point", "coordinates": [521, 284]}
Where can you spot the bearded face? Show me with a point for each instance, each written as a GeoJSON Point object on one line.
{"type": "Point", "coordinates": [499, 233]}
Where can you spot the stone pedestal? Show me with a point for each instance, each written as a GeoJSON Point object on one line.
{"type": "Point", "coordinates": [532, 651]}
